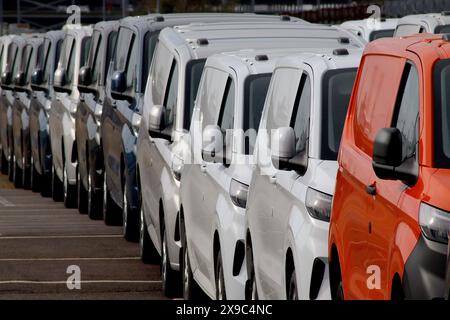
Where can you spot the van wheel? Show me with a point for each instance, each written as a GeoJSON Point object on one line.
{"type": "Point", "coordinates": [220, 280]}
{"type": "Point", "coordinates": [292, 289]}
{"type": "Point", "coordinates": [251, 290]}
{"type": "Point", "coordinates": [147, 250]}
{"type": "Point", "coordinates": [130, 222]}
{"type": "Point", "coordinates": [111, 212]}
{"type": "Point", "coordinates": [46, 184]}
{"type": "Point", "coordinates": [191, 291]}
{"type": "Point", "coordinates": [82, 195]}
{"type": "Point", "coordinates": [340, 291]}
{"type": "Point", "coordinates": [26, 174]}
{"type": "Point", "coordinates": [17, 175]}
{"type": "Point", "coordinates": [70, 199]}
{"type": "Point", "coordinates": [3, 164]}
{"type": "Point", "coordinates": [57, 192]}
{"type": "Point", "coordinates": [35, 177]}
{"type": "Point", "coordinates": [169, 277]}
{"type": "Point", "coordinates": [94, 200]}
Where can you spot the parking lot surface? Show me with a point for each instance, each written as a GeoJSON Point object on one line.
{"type": "Point", "coordinates": [40, 241]}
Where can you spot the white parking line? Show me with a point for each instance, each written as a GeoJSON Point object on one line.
{"type": "Point", "coordinates": [82, 282]}
{"type": "Point", "coordinates": [62, 237]}
{"type": "Point", "coordinates": [68, 259]}
{"type": "Point", "coordinates": [6, 203]}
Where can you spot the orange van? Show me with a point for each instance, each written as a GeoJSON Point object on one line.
{"type": "Point", "coordinates": [391, 209]}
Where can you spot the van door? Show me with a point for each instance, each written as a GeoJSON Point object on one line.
{"type": "Point", "coordinates": [274, 186]}
{"type": "Point", "coordinates": [357, 179]}
{"type": "Point", "coordinates": [122, 108]}
{"type": "Point", "coordinates": [385, 217]}
{"type": "Point", "coordinates": [212, 98]}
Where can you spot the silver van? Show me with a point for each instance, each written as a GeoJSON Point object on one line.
{"type": "Point", "coordinates": [62, 112]}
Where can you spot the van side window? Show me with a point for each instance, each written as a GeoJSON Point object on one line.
{"type": "Point", "coordinates": [160, 71]}
{"type": "Point", "coordinates": [301, 114]}
{"type": "Point", "coordinates": [372, 110]}
{"type": "Point", "coordinates": [85, 47]}
{"type": "Point", "coordinates": [70, 61]}
{"type": "Point", "coordinates": [406, 117]}
{"type": "Point", "coordinates": [211, 95]}
{"type": "Point", "coordinates": [226, 116]}
{"type": "Point", "coordinates": [170, 100]}
{"type": "Point", "coordinates": [94, 55]}
{"type": "Point", "coordinates": [1, 58]}
{"type": "Point", "coordinates": [112, 39]}
{"type": "Point", "coordinates": [150, 41]}
{"type": "Point", "coordinates": [131, 66]}
{"type": "Point", "coordinates": [284, 86]}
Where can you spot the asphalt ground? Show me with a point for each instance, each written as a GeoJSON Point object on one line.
{"type": "Point", "coordinates": [43, 245]}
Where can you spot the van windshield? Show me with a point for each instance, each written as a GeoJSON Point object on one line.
{"type": "Point", "coordinates": [337, 88]}
{"type": "Point", "coordinates": [255, 93]}
{"type": "Point", "coordinates": [194, 70]}
{"type": "Point", "coordinates": [442, 114]}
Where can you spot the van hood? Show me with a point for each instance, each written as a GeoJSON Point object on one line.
{"type": "Point", "coordinates": [438, 192]}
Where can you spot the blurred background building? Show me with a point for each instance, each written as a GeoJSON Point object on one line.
{"type": "Point", "coordinates": [21, 15]}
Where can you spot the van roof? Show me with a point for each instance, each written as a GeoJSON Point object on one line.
{"type": "Point", "coordinates": [326, 58]}
{"type": "Point", "coordinates": [264, 60]}
{"type": "Point", "coordinates": [160, 21]}
{"type": "Point", "coordinates": [55, 34]}
{"type": "Point", "coordinates": [384, 24]}
{"type": "Point", "coordinates": [106, 25]}
{"type": "Point", "coordinates": [431, 19]}
{"type": "Point", "coordinates": [206, 39]}
{"type": "Point", "coordinates": [432, 46]}
{"type": "Point", "coordinates": [77, 29]}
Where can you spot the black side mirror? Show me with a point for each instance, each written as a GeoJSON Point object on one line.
{"type": "Point", "coordinates": [118, 82]}
{"type": "Point", "coordinates": [60, 77]}
{"type": "Point", "coordinates": [387, 160]}
{"type": "Point", "coordinates": [37, 78]}
{"type": "Point", "coordinates": [19, 80]}
{"type": "Point", "coordinates": [85, 76]}
{"type": "Point", "coordinates": [283, 151]}
{"type": "Point", "coordinates": [6, 78]}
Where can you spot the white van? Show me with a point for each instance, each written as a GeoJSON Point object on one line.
{"type": "Point", "coordinates": [290, 194]}
{"type": "Point", "coordinates": [74, 52]}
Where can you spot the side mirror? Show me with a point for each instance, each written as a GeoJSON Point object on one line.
{"type": "Point", "coordinates": [283, 151]}
{"type": "Point", "coordinates": [60, 77]}
{"type": "Point", "coordinates": [387, 160]}
{"type": "Point", "coordinates": [37, 78]}
{"type": "Point", "coordinates": [85, 76]}
{"type": "Point", "coordinates": [156, 119]}
{"type": "Point", "coordinates": [118, 82]}
{"type": "Point", "coordinates": [19, 80]}
{"type": "Point", "coordinates": [6, 78]}
{"type": "Point", "coordinates": [212, 143]}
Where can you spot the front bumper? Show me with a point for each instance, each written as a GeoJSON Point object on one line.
{"type": "Point", "coordinates": [424, 275]}
{"type": "Point", "coordinates": [311, 257]}
{"type": "Point", "coordinates": [232, 246]}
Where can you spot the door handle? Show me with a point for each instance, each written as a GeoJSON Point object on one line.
{"type": "Point", "coordinates": [371, 189]}
{"type": "Point", "coordinates": [203, 168]}
{"type": "Point", "coordinates": [114, 105]}
{"type": "Point", "coordinates": [273, 179]}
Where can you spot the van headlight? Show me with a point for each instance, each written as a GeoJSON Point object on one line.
{"type": "Point", "coordinates": [238, 193]}
{"type": "Point", "coordinates": [435, 223]}
{"type": "Point", "coordinates": [318, 204]}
